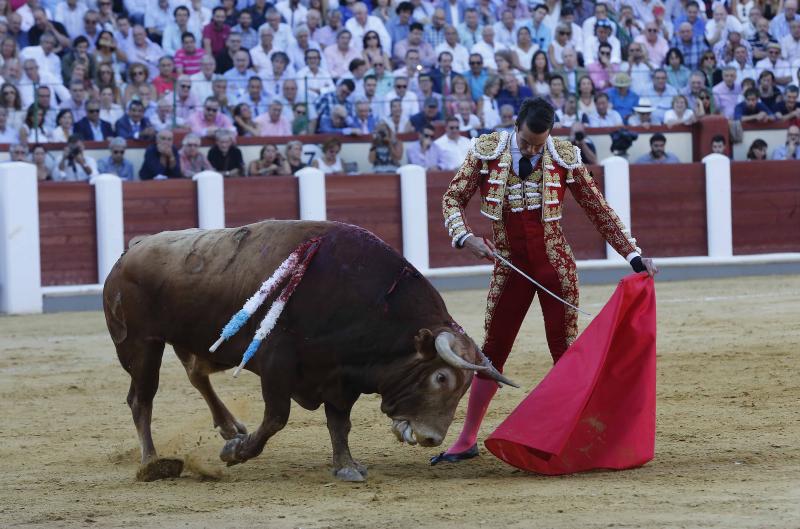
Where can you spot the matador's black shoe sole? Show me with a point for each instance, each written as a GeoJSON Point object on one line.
{"type": "Point", "coordinates": [455, 458]}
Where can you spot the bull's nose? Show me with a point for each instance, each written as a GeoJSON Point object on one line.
{"type": "Point", "coordinates": [430, 440]}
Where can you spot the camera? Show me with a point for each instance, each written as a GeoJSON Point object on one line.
{"type": "Point", "coordinates": [621, 141]}
{"type": "Point", "coordinates": [580, 136]}
{"type": "Point", "coordinates": [380, 135]}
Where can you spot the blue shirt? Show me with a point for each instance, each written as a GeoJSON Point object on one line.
{"type": "Point", "coordinates": [742, 110]}
{"type": "Point", "coordinates": [476, 83]}
{"type": "Point", "coordinates": [623, 104]}
{"type": "Point", "coordinates": [123, 170]}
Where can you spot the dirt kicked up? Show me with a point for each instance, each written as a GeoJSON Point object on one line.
{"type": "Point", "coordinates": [727, 448]}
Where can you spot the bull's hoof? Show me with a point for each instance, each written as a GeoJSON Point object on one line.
{"type": "Point", "coordinates": [163, 468]}
{"type": "Point", "coordinates": [229, 431]}
{"type": "Point", "coordinates": [229, 451]}
{"type": "Point", "coordinates": [350, 474]}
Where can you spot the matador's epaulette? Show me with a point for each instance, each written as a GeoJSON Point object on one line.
{"type": "Point", "coordinates": [489, 146]}
{"type": "Point", "coordinates": [564, 153]}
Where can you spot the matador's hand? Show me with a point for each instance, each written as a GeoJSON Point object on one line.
{"type": "Point", "coordinates": [480, 247]}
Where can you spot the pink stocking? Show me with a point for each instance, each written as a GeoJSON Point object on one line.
{"type": "Point", "coordinates": [480, 395]}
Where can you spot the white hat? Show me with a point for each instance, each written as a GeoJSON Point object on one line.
{"type": "Point", "coordinates": [644, 106]}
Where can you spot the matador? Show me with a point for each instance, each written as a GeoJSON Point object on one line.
{"type": "Point", "coordinates": [522, 177]}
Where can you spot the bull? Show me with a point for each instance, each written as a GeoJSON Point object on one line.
{"type": "Point", "coordinates": [362, 320]}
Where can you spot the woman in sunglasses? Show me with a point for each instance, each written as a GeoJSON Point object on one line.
{"type": "Point", "coordinates": [373, 51]}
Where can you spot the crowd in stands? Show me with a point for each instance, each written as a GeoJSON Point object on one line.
{"type": "Point", "coordinates": [93, 70]}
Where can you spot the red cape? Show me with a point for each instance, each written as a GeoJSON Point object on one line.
{"type": "Point", "coordinates": [596, 407]}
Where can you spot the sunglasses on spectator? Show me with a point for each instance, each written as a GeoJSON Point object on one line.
{"type": "Point", "coordinates": [117, 151]}
{"type": "Point", "coordinates": [427, 135]}
{"type": "Point", "coordinates": [211, 109]}
{"type": "Point", "coordinates": [300, 112]}
{"type": "Point", "coordinates": [652, 30]}
{"type": "Point", "coordinates": [565, 33]}
{"type": "Point", "coordinates": [452, 128]}
{"type": "Point", "coordinates": [137, 73]}
{"type": "Point", "coordinates": [475, 63]}
{"type": "Point", "coordinates": [605, 53]}
{"type": "Point", "coordinates": [92, 110]}
{"type": "Point", "coordinates": [401, 86]}
{"type": "Point", "coordinates": [192, 145]}
{"type": "Point", "coordinates": [372, 37]}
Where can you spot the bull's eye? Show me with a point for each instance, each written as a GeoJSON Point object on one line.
{"type": "Point", "coordinates": [441, 378]}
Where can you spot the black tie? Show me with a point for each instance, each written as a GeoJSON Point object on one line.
{"type": "Point", "coordinates": [525, 168]}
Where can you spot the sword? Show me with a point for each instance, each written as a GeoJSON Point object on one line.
{"type": "Point", "coordinates": [532, 280]}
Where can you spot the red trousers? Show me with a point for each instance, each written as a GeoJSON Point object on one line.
{"type": "Point", "coordinates": [512, 294]}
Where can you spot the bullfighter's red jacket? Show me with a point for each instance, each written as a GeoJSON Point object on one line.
{"type": "Point", "coordinates": [488, 167]}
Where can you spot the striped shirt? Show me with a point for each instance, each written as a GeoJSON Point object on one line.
{"type": "Point", "coordinates": [190, 64]}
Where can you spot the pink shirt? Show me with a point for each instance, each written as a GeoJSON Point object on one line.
{"type": "Point", "coordinates": [266, 127]}
{"type": "Point", "coordinates": [338, 64]}
{"type": "Point", "coordinates": [200, 127]}
{"type": "Point", "coordinates": [189, 63]}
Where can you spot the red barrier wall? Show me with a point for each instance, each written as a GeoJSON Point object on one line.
{"type": "Point", "coordinates": [252, 199]}
{"type": "Point", "coordinates": [668, 209]}
{"type": "Point", "coordinates": [440, 251]}
{"type": "Point", "coordinates": [67, 227]}
{"type": "Point", "coordinates": [765, 207]}
{"type": "Point", "coordinates": [371, 201]}
{"type": "Point", "coordinates": [153, 206]}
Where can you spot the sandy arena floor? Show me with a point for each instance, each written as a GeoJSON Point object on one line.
{"type": "Point", "coordinates": [727, 454]}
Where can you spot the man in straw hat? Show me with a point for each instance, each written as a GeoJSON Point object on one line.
{"type": "Point", "coordinates": [621, 97]}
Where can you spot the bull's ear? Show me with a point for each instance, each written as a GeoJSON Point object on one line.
{"type": "Point", "coordinates": [424, 344]}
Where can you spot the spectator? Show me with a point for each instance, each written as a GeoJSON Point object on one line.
{"type": "Point", "coordinates": [442, 75]}
{"type": "Point", "coordinates": [399, 26]}
{"type": "Point", "coordinates": [791, 149]}
{"type": "Point", "coordinates": [429, 114]}
{"type": "Point", "coordinates": [165, 118]}
{"type": "Point", "coordinates": [356, 73]}
{"type": "Point", "coordinates": [458, 56]}
{"type": "Point", "coordinates": [434, 33]}
{"type": "Point", "coordinates": [313, 79]}
{"type": "Point", "coordinates": [362, 22]}
{"type": "Point", "coordinates": [586, 93]}
{"type": "Point", "coordinates": [340, 96]}
{"type": "Point", "coordinates": [727, 92]}
{"type": "Point", "coordinates": [12, 102]}
{"type": "Point", "coordinates": [488, 108]}
{"type": "Point", "coordinates": [409, 100]}
{"type": "Point", "coordinates": [188, 58]}
{"type": "Point", "coordinates": [695, 90]}
{"type": "Point", "coordinates": [578, 138]}
{"type": "Point", "coordinates": [540, 32]}
{"type": "Point", "coordinates": [424, 152]}
{"type": "Point", "coordinates": [603, 116]}
{"type": "Point", "coordinates": [294, 153]}
{"type": "Point", "coordinates": [476, 76]}
{"type": "Point", "coordinates": [33, 129]}
{"type": "Point", "coordinates": [397, 120]}
{"type": "Point", "coordinates": [467, 121]}
{"type": "Point", "coordinates": [768, 93]}
{"type": "Point", "coordinates": [327, 34]}
{"type": "Point", "coordinates": [190, 158]}
{"type": "Point", "coordinates": [70, 15]}
{"type": "Point", "coordinates": [216, 32]}
{"type": "Point", "coordinates": [17, 152]}
{"type": "Point", "coordinates": [757, 150]}
{"type": "Point", "coordinates": [245, 29]}
{"type": "Point", "coordinates": [339, 55]}
{"type": "Point", "coordinates": [761, 40]}
{"type": "Point", "coordinates": [690, 46]}
{"type": "Point", "coordinates": [386, 150]}
{"type": "Point", "coordinates": [363, 122]}
{"type": "Point", "coordinates": [643, 116]}
{"type": "Point", "coordinates": [507, 122]}
{"type": "Point", "coordinates": [270, 163]}
{"type": "Point", "coordinates": [42, 26]}
{"type": "Point", "coordinates": [469, 31]}
{"type": "Point", "coordinates": [77, 100]}
{"type": "Point", "coordinates": [74, 165]}
{"type": "Point", "coordinates": [273, 123]}
{"type": "Point", "coordinates": [780, 68]}
{"type": "Point", "coordinates": [238, 76]}
{"type": "Point", "coordinates": [677, 73]}
{"type": "Point", "coordinates": [225, 59]}
{"type": "Point", "coordinates": [720, 24]}
{"type": "Point", "coordinates": [790, 44]}
{"type": "Point", "coordinates": [335, 122]}
{"type": "Point", "coordinates": [414, 42]}
{"type": "Point", "coordinates": [116, 163]}
{"type": "Point", "coordinates": [144, 51]}
{"type": "Point", "coordinates": [105, 79]}
{"type": "Point", "coordinates": [292, 11]}
{"type": "Point", "coordinates": [453, 146]}
{"type": "Point", "coordinates": [301, 45]}
{"type": "Point", "coordinates": [680, 113]}
{"type": "Point", "coordinates": [63, 128]}
{"type": "Point", "coordinates": [133, 125]}
{"type": "Point", "coordinates": [172, 39]}
{"type": "Point", "coordinates": [165, 81]}
{"type": "Point", "coordinates": [300, 122]}
{"type": "Point", "coordinates": [622, 99]}
{"type": "Point", "coordinates": [261, 55]}
{"type": "Point", "coordinates": [44, 162]}
{"type": "Point", "coordinates": [655, 46]}
{"type": "Point", "coordinates": [156, 19]}
{"type": "Point", "coordinates": [185, 102]}
{"type": "Point", "coordinates": [602, 70]}
{"type": "Point", "coordinates": [46, 102]}
{"type": "Point", "coordinates": [570, 72]}
{"type": "Point", "coordinates": [719, 145]}
{"type": "Point", "coordinates": [603, 30]}
{"type": "Point", "coordinates": [91, 127]}
{"type": "Point", "coordinates": [244, 122]}
{"type": "Point", "coordinates": [569, 114]}
{"type": "Point", "coordinates": [743, 65]}
{"type": "Point", "coordinates": [637, 67]}
{"type": "Point", "coordinates": [206, 121]}
{"type": "Point", "coordinates": [657, 153]}
{"type": "Point", "coordinates": [487, 48]}
{"type": "Point", "coordinates": [161, 160]}
{"type": "Point", "coordinates": [426, 90]}
{"type": "Point", "coordinates": [330, 162]}
{"type": "Point", "coordinates": [787, 109]}
{"type": "Point", "coordinates": [202, 81]}
{"type": "Point", "coordinates": [779, 27]}
{"type": "Point", "coordinates": [224, 156]}
{"type": "Point", "coordinates": [513, 94]}
{"type": "Point", "coordinates": [138, 77]}
{"type": "Point", "coordinates": [751, 109]}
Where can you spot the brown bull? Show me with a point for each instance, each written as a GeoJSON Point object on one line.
{"type": "Point", "coordinates": [362, 320]}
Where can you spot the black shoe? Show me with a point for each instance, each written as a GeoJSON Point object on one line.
{"type": "Point", "coordinates": [455, 458]}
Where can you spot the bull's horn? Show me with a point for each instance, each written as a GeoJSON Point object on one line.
{"type": "Point", "coordinates": [444, 346]}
